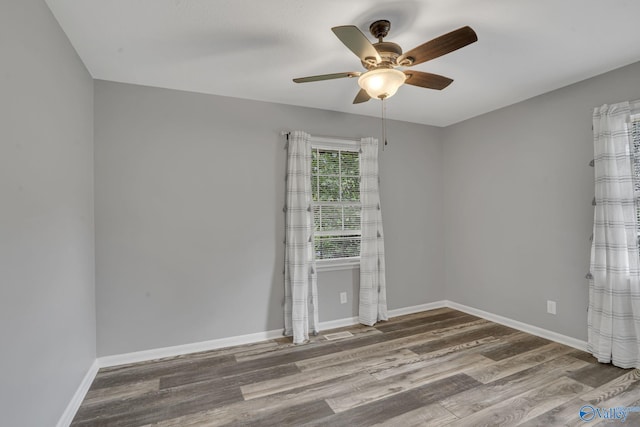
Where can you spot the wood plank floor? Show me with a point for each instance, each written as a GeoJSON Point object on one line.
{"type": "Point", "coordinates": [435, 368]}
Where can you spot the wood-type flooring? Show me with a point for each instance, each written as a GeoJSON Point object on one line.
{"type": "Point", "coordinates": [434, 368]}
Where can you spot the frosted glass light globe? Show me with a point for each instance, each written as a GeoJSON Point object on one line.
{"type": "Point", "coordinates": [381, 83]}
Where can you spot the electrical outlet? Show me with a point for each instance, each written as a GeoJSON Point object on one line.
{"type": "Point", "coordinates": [551, 307]}
{"type": "Point", "coordinates": [343, 297]}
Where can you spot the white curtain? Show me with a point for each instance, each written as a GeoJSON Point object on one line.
{"type": "Point", "coordinates": [301, 293]}
{"type": "Point", "coordinates": [373, 293]}
{"type": "Point", "coordinates": [614, 286]}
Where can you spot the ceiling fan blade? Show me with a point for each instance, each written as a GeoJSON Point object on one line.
{"type": "Point", "coordinates": [439, 46]}
{"type": "Point", "coordinates": [361, 97]}
{"type": "Point", "coordinates": [359, 44]}
{"type": "Point", "coordinates": [326, 77]}
{"type": "Point", "coordinates": [427, 80]}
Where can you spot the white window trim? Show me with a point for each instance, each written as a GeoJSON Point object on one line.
{"type": "Point", "coordinates": [338, 264]}
{"type": "Point", "coordinates": [329, 143]}
{"type": "Point", "coordinates": [635, 110]}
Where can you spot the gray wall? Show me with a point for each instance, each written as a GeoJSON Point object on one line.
{"type": "Point", "coordinates": [189, 222]}
{"type": "Point", "coordinates": [47, 299]}
{"type": "Point", "coordinates": [517, 208]}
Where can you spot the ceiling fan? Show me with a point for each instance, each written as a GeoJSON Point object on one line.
{"type": "Point", "coordinates": [382, 60]}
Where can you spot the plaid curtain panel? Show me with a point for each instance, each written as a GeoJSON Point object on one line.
{"type": "Point", "coordinates": [300, 280]}
{"type": "Point", "coordinates": [614, 279]}
{"type": "Point", "coordinates": [373, 290]}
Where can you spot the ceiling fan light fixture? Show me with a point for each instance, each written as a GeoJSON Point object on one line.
{"type": "Point", "coordinates": [381, 83]}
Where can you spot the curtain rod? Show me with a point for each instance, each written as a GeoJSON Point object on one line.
{"type": "Point", "coordinates": [326, 138]}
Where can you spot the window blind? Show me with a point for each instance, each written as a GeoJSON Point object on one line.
{"type": "Point", "coordinates": [335, 182]}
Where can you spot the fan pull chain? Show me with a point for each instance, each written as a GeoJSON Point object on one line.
{"type": "Point", "coordinates": [384, 125]}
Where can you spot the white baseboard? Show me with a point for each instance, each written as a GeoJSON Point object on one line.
{"type": "Point", "coordinates": [349, 321]}
{"type": "Point", "coordinates": [417, 308]}
{"type": "Point", "coordinates": [525, 327]}
{"type": "Point", "coordinates": [339, 323]}
{"type": "Point", "coordinates": [178, 350]}
{"type": "Point", "coordinates": [78, 396]}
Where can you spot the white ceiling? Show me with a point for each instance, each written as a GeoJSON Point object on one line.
{"type": "Point", "coordinates": [253, 48]}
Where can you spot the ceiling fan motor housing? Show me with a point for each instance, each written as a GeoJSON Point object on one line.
{"type": "Point", "coordinates": [389, 53]}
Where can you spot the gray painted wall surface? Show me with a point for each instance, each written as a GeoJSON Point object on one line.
{"type": "Point", "coordinates": [517, 209]}
{"type": "Point", "coordinates": [47, 299]}
{"type": "Point", "coordinates": [189, 221]}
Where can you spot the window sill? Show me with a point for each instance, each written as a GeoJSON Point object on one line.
{"type": "Point", "coordinates": [338, 264]}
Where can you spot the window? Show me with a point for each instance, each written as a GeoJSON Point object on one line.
{"type": "Point", "coordinates": [335, 182]}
